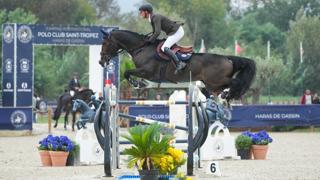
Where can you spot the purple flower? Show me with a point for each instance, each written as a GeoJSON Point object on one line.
{"type": "Point", "coordinates": [56, 143]}
{"type": "Point", "coordinates": [260, 138]}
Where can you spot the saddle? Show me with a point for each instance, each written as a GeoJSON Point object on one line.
{"type": "Point", "coordinates": [184, 53]}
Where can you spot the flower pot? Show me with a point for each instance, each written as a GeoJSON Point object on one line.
{"type": "Point", "coordinates": [70, 160]}
{"type": "Point", "coordinates": [45, 158]}
{"type": "Point", "coordinates": [244, 153]}
{"type": "Point", "coordinates": [149, 174]}
{"type": "Point", "coordinates": [58, 158]}
{"type": "Point", "coordinates": [259, 151]}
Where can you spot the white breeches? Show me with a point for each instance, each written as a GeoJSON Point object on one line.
{"type": "Point", "coordinates": [172, 39]}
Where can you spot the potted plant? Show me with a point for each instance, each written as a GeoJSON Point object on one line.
{"type": "Point", "coordinates": [260, 141]}
{"type": "Point", "coordinates": [243, 145]}
{"type": "Point", "coordinates": [59, 147]}
{"type": "Point", "coordinates": [149, 146]}
{"type": "Point", "coordinates": [73, 157]}
{"type": "Point", "coordinates": [44, 152]}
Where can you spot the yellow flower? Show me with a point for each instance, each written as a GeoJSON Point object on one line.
{"type": "Point", "coordinates": [176, 154]}
{"type": "Point", "coordinates": [188, 178]}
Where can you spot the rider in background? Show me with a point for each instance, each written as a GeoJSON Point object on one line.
{"type": "Point", "coordinates": [174, 31]}
{"type": "Point", "coordinates": [74, 84]}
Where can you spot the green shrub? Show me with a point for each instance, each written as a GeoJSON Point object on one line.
{"type": "Point", "coordinates": [243, 142]}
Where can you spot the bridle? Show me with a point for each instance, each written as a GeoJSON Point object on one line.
{"type": "Point", "coordinates": [111, 45]}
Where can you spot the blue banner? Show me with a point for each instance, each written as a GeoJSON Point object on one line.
{"type": "Point", "coordinates": [249, 116]}
{"type": "Point", "coordinates": [16, 118]}
{"type": "Point", "coordinates": [158, 113]}
{"type": "Point", "coordinates": [76, 35]}
{"type": "Point", "coordinates": [275, 115]}
{"type": "Point", "coordinates": [8, 64]}
{"type": "Point", "coordinates": [24, 86]}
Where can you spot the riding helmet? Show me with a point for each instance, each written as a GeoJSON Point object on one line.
{"type": "Point", "coordinates": [146, 7]}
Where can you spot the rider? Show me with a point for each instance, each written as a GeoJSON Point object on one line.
{"type": "Point", "coordinates": [74, 84]}
{"type": "Point", "coordinates": [174, 31]}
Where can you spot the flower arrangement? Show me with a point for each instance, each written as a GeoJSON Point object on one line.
{"type": "Point", "coordinates": [148, 146]}
{"type": "Point", "coordinates": [260, 141]}
{"type": "Point", "coordinates": [54, 150]}
{"type": "Point", "coordinates": [259, 138]}
{"type": "Point", "coordinates": [56, 143]}
{"type": "Point", "coordinates": [171, 161]}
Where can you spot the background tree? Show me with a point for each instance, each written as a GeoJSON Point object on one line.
{"type": "Point", "coordinates": [304, 30]}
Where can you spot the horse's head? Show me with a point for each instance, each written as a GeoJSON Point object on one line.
{"type": "Point", "coordinates": [117, 40]}
{"type": "Point", "coordinates": [76, 105]}
{"type": "Point", "coordinates": [109, 49]}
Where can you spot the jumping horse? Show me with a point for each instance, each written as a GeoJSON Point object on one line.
{"type": "Point", "coordinates": [217, 72]}
{"type": "Point", "coordinates": [65, 103]}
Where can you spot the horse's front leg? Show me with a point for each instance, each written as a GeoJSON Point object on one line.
{"type": "Point", "coordinates": [73, 119]}
{"type": "Point", "coordinates": [66, 119]}
{"type": "Point", "coordinates": [139, 72]}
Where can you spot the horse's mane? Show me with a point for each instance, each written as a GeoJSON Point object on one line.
{"type": "Point", "coordinates": [142, 36]}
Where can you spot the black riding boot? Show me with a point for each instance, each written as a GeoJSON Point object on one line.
{"type": "Point", "coordinates": [179, 64]}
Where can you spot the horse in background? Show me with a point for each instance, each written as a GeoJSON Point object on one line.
{"type": "Point", "coordinates": [64, 103]}
{"type": "Point", "coordinates": [87, 114]}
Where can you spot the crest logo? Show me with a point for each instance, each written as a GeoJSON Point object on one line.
{"type": "Point", "coordinates": [8, 63]}
{"type": "Point", "coordinates": [24, 85]}
{"type": "Point", "coordinates": [111, 67]}
{"type": "Point", "coordinates": [18, 119]}
{"type": "Point", "coordinates": [24, 65]}
{"type": "Point", "coordinates": [8, 85]}
{"type": "Point", "coordinates": [8, 34]}
{"type": "Point", "coordinates": [25, 34]}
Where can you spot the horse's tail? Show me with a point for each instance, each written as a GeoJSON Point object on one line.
{"type": "Point", "coordinates": [58, 110]}
{"type": "Point", "coordinates": [246, 71]}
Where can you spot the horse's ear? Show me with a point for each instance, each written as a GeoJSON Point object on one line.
{"type": "Point", "coordinates": [106, 34]}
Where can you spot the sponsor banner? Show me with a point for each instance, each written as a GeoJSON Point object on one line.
{"type": "Point", "coordinates": [75, 35]}
{"type": "Point", "coordinates": [24, 92]}
{"type": "Point", "coordinates": [275, 115]}
{"type": "Point", "coordinates": [16, 118]}
{"type": "Point", "coordinates": [8, 44]}
{"type": "Point", "coordinates": [24, 81]}
{"type": "Point", "coordinates": [158, 113]}
{"type": "Point", "coordinates": [248, 116]}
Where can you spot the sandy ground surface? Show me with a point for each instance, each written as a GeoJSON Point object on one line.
{"type": "Point", "coordinates": [291, 156]}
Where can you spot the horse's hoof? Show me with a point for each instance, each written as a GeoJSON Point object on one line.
{"type": "Point", "coordinates": [55, 126]}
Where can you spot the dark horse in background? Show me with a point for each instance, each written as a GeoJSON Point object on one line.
{"type": "Point", "coordinates": [217, 72]}
{"type": "Point", "coordinates": [65, 104]}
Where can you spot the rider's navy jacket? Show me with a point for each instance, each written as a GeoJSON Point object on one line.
{"type": "Point", "coordinates": [163, 23]}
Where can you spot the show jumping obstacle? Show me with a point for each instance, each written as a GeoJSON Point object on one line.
{"type": "Point", "coordinates": [107, 115]}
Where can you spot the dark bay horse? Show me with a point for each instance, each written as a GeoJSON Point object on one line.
{"type": "Point", "coordinates": [217, 72]}
{"type": "Point", "coordinates": [64, 102]}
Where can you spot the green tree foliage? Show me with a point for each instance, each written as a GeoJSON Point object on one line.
{"type": "Point", "coordinates": [281, 12]}
{"type": "Point", "coordinates": [54, 12]}
{"type": "Point", "coordinates": [105, 9]}
{"type": "Point", "coordinates": [52, 73]}
{"type": "Point", "coordinates": [253, 33]}
{"type": "Point", "coordinates": [305, 30]}
{"type": "Point", "coordinates": [267, 70]}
